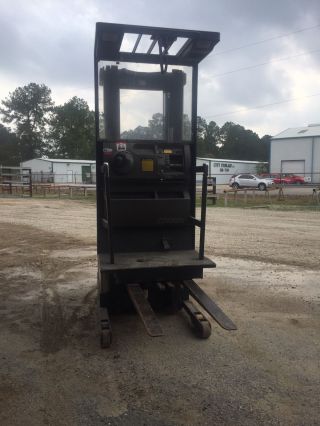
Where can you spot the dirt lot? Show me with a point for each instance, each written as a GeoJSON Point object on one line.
{"type": "Point", "coordinates": [53, 371]}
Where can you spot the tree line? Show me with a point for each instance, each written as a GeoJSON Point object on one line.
{"type": "Point", "coordinates": [39, 128]}
{"type": "Point", "coordinates": [36, 127]}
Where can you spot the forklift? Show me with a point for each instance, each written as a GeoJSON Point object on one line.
{"type": "Point", "coordinates": [147, 176]}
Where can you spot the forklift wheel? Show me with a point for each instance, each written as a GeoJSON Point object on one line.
{"type": "Point", "coordinates": [105, 338]}
{"type": "Point", "coordinates": [204, 331]}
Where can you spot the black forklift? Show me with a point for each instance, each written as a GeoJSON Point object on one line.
{"type": "Point", "coordinates": [146, 175]}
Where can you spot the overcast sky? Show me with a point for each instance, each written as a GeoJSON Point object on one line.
{"type": "Point", "coordinates": [51, 42]}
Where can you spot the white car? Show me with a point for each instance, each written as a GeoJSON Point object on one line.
{"type": "Point", "coordinates": [250, 181]}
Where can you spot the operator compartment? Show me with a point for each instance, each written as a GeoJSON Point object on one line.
{"type": "Point", "coordinates": [146, 142]}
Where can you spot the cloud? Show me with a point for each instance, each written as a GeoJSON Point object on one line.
{"type": "Point", "coordinates": [51, 42]}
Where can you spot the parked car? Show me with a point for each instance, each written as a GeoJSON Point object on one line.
{"type": "Point", "coordinates": [250, 181]}
{"type": "Point", "coordinates": [284, 178]}
{"type": "Point", "coordinates": [272, 176]}
{"type": "Point", "coordinates": [295, 179]}
{"type": "Point", "coordinates": [277, 178]}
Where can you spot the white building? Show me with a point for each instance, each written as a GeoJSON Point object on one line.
{"type": "Point", "coordinates": [223, 169]}
{"type": "Point", "coordinates": [297, 151]}
{"type": "Point", "coordinates": [61, 171]}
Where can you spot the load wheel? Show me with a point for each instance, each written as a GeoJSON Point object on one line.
{"type": "Point", "coordinates": [203, 329]}
{"type": "Point", "coordinates": [201, 325]}
{"type": "Point", "coordinates": [105, 338]}
{"type": "Point", "coordinates": [105, 328]}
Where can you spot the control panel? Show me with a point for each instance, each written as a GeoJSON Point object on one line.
{"type": "Point", "coordinates": [147, 160]}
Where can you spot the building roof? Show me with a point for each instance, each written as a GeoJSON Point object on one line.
{"type": "Point", "coordinates": [299, 132]}
{"type": "Point", "coordinates": [229, 161]}
{"type": "Point", "coordinates": [61, 160]}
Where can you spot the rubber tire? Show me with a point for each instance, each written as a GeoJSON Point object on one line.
{"type": "Point", "coordinates": [105, 338]}
{"type": "Point", "coordinates": [205, 332]}
{"type": "Point", "coordinates": [235, 185]}
{"type": "Point", "coordinates": [262, 187]}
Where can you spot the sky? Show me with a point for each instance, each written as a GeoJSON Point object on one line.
{"type": "Point", "coordinates": [51, 42]}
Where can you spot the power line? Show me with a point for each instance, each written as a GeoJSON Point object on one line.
{"type": "Point", "coordinates": [265, 40]}
{"type": "Point", "coordinates": [266, 63]}
{"type": "Point", "coordinates": [262, 106]}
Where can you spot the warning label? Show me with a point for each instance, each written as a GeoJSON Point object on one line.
{"type": "Point", "coordinates": [121, 146]}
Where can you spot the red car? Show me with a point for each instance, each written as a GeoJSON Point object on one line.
{"type": "Point", "coordinates": [295, 179]}
{"type": "Point", "coordinates": [286, 179]}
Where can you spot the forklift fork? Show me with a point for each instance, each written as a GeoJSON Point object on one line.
{"type": "Point", "coordinates": [176, 297]}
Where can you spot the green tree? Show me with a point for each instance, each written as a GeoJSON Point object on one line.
{"type": "Point", "coordinates": [27, 108]}
{"type": "Point", "coordinates": [140, 132]}
{"type": "Point", "coordinates": [262, 168]}
{"type": "Point", "coordinates": [9, 147]}
{"type": "Point", "coordinates": [207, 138]}
{"type": "Point", "coordinates": [265, 147]}
{"type": "Point", "coordinates": [239, 143]}
{"type": "Point", "coordinates": [155, 129]}
{"type": "Point", "coordinates": [155, 126]}
{"type": "Point", "coordinates": [72, 130]}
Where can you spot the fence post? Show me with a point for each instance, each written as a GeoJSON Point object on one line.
{"type": "Point", "coordinates": [316, 195]}
{"type": "Point", "coordinates": [70, 191]}
{"type": "Point", "coordinates": [245, 196]}
{"type": "Point", "coordinates": [214, 190]}
{"type": "Point", "coordinates": [30, 183]}
{"type": "Point", "coordinates": [280, 194]}
{"type": "Point", "coordinates": [225, 199]}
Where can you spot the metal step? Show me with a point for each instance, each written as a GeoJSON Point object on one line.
{"type": "Point", "coordinates": [144, 310]}
{"type": "Point", "coordinates": [209, 305]}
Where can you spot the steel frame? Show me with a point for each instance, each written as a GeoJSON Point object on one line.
{"type": "Point", "coordinates": [176, 291]}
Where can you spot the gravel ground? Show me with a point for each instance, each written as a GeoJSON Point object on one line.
{"type": "Point", "coordinates": [53, 371]}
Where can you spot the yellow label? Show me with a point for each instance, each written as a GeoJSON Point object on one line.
{"type": "Point", "coordinates": [147, 165]}
{"type": "Point", "coordinates": [167, 151]}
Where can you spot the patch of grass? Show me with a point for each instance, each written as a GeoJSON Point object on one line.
{"type": "Point", "coordinates": [295, 207]}
{"type": "Point", "coordinates": [91, 197]}
{"type": "Point", "coordinates": [290, 202]}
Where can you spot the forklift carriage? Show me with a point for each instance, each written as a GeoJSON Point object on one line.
{"type": "Point", "coordinates": [146, 175]}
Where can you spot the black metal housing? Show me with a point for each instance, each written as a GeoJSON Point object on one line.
{"type": "Point", "coordinates": [109, 38]}
{"type": "Point", "coordinates": [146, 191]}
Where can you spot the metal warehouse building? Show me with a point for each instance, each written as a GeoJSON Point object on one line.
{"type": "Point", "coordinates": [297, 151]}
{"type": "Point", "coordinates": [47, 170]}
{"type": "Point", "coordinates": [223, 169]}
